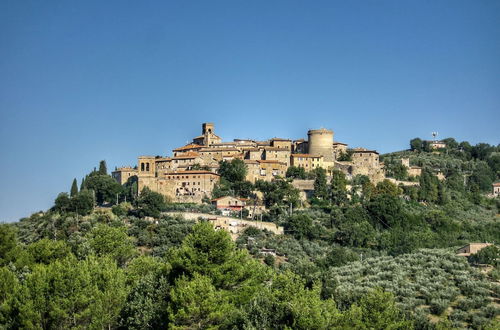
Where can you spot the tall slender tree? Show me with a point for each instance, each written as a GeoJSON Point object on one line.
{"type": "Point", "coordinates": [74, 188]}
{"type": "Point", "coordinates": [103, 169]}
{"type": "Point", "coordinates": [83, 184]}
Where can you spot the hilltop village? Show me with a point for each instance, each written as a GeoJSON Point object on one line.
{"type": "Point", "coordinates": [191, 173]}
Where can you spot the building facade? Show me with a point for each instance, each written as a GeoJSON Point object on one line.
{"type": "Point", "coordinates": [190, 174]}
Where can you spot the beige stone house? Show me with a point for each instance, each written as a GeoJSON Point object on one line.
{"type": "Point", "coordinates": [471, 248]}
{"type": "Point", "coordinates": [496, 189]}
{"type": "Point", "coordinates": [122, 174]}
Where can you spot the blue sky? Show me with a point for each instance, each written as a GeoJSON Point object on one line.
{"type": "Point", "coordinates": [90, 80]}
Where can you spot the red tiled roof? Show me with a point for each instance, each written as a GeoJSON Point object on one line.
{"type": "Point", "coordinates": [191, 172]}
{"type": "Point", "coordinates": [306, 155]}
{"type": "Point", "coordinates": [364, 151]}
{"type": "Point", "coordinates": [270, 161]}
{"type": "Point", "coordinates": [189, 147]}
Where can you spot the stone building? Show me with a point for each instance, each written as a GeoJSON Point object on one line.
{"type": "Point", "coordinates": [434, 145]}
{"type": "Point", "coordinates": [307, 161]}
{"type": "Point", "coordinates": [123, 174]}
{"type": "Point", "coordinates": [229, 203]}
{"type": "Point", "coordinates": [412, 170]}
{"type": "Point", "coordinates": [496, 189]}
{"type": "Point", "coordinates": [366, 162]}
{"type": "Point", "coordinates": [265, 170]}
{"type": "Point", "coordinates": [180, 179]}
{"type": "Point", "coordinates": [471, 248]}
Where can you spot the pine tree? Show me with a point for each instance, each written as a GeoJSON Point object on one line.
{"type": "Point", "coordinates": [338, 189]}
{"type": "Point", "coordinates": [320, 184]}
{"type": "Point", "coordinates": [102, 167]}
{"type": "Point", "coordinates": [74, 188]}
{"type": "Point", "coordinates": [83, 185]}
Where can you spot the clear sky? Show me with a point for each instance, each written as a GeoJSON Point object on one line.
{"type": "Point", "coordinates": [82, 81]}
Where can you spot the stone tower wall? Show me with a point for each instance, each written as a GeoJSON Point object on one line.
{"type": "Point", "coordinates": [320, 142]}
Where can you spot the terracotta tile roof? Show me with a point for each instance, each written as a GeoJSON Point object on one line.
{"type": "Point", "coordinates": [496, 184]}
{"type": "Point", "coordinates": [306, 155]}
{"type": "Point", "coordinates": [189, 147]}
{"type": "Point", "coordinates": [188, 155]}
{"type": "Point", "coordinates": [335, 143]}
{"type": "Point", "coordinates": [276, 149]}
{"type": "Point", "coordinates": [270, 161]}
{"type": "Point", "coordinates": [218, 149]}
{"type": "Point", "coordinates": [366, 151]}
{"type": "Point", "coordinates": [238, 198]}
{"type": "Point", "coordinates": [191, 172]}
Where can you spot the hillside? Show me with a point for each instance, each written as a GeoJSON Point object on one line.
{"type": "Point", "coordinates": [353, 255]}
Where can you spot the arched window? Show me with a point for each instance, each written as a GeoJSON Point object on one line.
{"type": "Point", "coordinates": [147, 167]}
{"type": "Point", "coordinates": [142, 167]}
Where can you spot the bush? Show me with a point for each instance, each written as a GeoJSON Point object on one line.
{"type": "Point", "coordinates": [438, 306]}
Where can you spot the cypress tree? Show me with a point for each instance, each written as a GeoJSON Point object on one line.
{"type": "Point", "coordinates": [102, 167]}
{"type": "Point", "coordinates": [74, 188]}
{"type": "Point", "coordinates": [82, 186]}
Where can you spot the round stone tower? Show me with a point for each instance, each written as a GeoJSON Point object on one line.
{"type": "Point", "coordinates": [320, 142]}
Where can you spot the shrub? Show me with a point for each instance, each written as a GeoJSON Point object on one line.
{"type": "Point", "coordinates": [438, 306]}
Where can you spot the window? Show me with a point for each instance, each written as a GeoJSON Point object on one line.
{"type": "Point", "coordinates": [142, 167]}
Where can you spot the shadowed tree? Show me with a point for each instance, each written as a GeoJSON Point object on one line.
{"type": "Point", "coordinates": [103, 169]}
{"type": "Point", "coordinates": [74, 188]}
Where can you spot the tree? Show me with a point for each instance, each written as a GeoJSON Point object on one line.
{"type": "Point", "coordinates": [488, 255]}
{"type": "Point", "coordinates": [376, 310]}
{"type": "Point", "coordinates": [355, 229]}
{"type": "Point", "coordinates": [386, 187]}
{"type": "Point", "coordinates": [8, 243]}
{"type": "Point", "coordinates": [279, 193]}
{"type": "Point", "coordinates": [46, 251]}
{"type": "Point", "coordinates": [339, 256]}
{"type": "Point", "coordinates": [103, 169]}
{"type": "Point", "coordinates": [234, 171]}
{"type": "Point", "coordinates": [483, 176]}
{"type": "Point", "coordinates": [451, 143]}
{"type": "Point", "coordinates": [416, 144]}
{"type": "Point", "coordinates": [320, 184]}
{"type": "Point", "coordinates": [300, 226]}
{"type": "Point", "coordinates": [287, 304]}
{"type": "Point", "coordinates": [74, 188]}
{"type": "Point", "coordinates": [232, 181]}
{"type": "Point", "coordinates": [62, 203]}
{"type": "Point", "coordinates": [68, 293]}
{"type": "Point", "coordinates": [82, 185]}
{"type": "Point", "coordinates": [345, 156]}
{"type": "Point", "coordinates": [146, 306]}
{"type": "Point", "coordinates": [83, 202]}
{"type": "Point", "coordinates": [197, 304]}
{"type": "Point", "coordinates": [105, 187]}
{"type": "Point", "coordinates": [385, 210]}
{"type": "Point", "coordinates": [113, 242]}
{"type": "Point", "coordinates": [428, 186]}
{"type": "Point", "coordinates": [212, 253]}
{"type": "Point", "coordinates": [150, 203]}
{"type": "Point", "coordinates": [296, 172]}
{"type": "Point", "coordinates": [338, 188]}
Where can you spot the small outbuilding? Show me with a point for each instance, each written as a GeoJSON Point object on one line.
{"type": "Point", "coordinates": [496, 189]}
{"type": "Point", "coordinates": [471, 248]}
{"type": "Point", "coordinates": [229, 203]}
